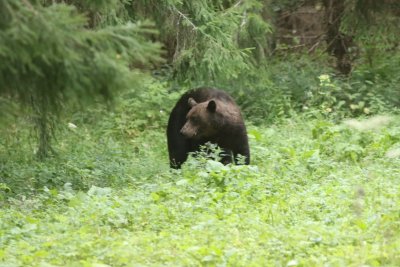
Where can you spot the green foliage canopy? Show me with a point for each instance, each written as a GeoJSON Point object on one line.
{"type": "Point", "coordinates": [48, 55]}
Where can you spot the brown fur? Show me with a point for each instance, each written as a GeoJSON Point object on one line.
{"type": "Point", "coordinates": [204, 121]}
{"type": "Point", "coordinates": [206, 115]}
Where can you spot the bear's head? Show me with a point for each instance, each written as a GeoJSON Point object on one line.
{"type": "Point", "coordinates": [202, 120]}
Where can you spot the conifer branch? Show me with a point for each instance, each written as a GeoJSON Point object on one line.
{"type": "Point", "coordinates": [186, 18]}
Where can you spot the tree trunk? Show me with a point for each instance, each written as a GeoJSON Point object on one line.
{"type": "Point", "coordinates": [337, 42]}
{"type": "Point", "coordinates": [43, 127]}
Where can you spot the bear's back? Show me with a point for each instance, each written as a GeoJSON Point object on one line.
{"type": "Point", "coordinates": [203, 94]}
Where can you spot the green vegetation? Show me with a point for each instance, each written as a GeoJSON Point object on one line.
{"type": "Point", "coordinates": [86, 88]}
{"type": "Point", "coordinates": [317, 193]}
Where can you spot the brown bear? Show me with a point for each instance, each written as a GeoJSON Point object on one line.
{"type": "Point", "coordinates": [206, 115]}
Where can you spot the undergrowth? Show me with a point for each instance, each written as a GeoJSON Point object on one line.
{"type": "Point", "coordinates": [317, 193]}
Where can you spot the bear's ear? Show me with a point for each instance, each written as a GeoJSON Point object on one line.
{"type": "Point", "coordinates": [212, 106]}
{"type": "Point", "coordinates": [192, 102]}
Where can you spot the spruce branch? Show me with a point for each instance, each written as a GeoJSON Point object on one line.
{"type": "Point", "coordinates": [194, 27]}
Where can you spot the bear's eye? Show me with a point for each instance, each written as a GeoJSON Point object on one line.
{"type": "Point", "coordinates": [195, 119]}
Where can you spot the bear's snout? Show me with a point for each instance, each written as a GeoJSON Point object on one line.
{"type": "Point", "coordinates": [188, 131]}
{"type": "Point", "coordinates": [183, 131]}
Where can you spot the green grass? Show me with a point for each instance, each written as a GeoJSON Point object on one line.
{"type": "Point", "coordinates": [318, 193]}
